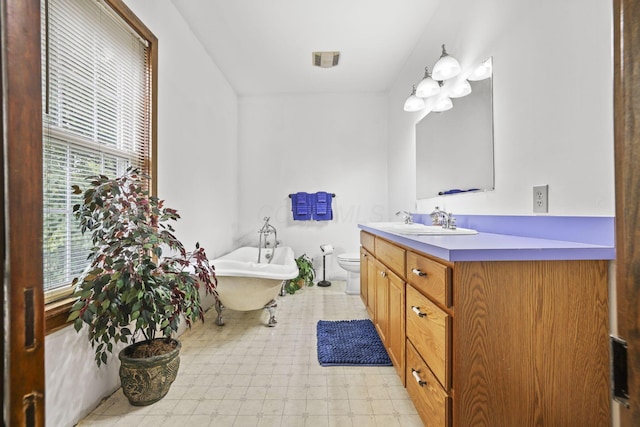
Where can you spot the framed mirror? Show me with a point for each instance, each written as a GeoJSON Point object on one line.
{"type": "Point", "coordinates": [454, 148]}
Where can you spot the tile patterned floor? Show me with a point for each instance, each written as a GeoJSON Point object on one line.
{"type": "Point", "coordinates": [245, 374]}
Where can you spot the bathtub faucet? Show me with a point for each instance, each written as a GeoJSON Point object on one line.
{"type": "Point", "coordinates": [266, 230]}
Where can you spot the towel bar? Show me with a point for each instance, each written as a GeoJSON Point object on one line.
{"type": "Point", "coordinates": [332, 195]}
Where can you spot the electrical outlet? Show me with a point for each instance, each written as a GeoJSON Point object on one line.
{"type": "Point", "coordinates": [541, 199]}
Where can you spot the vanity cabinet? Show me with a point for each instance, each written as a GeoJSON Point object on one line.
{"type": "Point", "coordinates": [494, 343]}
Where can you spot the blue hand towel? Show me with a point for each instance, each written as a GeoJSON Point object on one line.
{"type": "Point", "coordinates": [323, 211]}
{"type": "Point", "coordinates": [301, 206]}
{"type": "Point", "coordinates": [321, 204]}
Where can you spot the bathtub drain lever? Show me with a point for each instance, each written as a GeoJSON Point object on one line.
{"type": "Point", "coordinates": [326, 250]}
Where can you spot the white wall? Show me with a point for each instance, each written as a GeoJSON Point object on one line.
{"type": "Point", "coordinates": [197, 135]}
{"type": "Point", "coordinates": [553, 104]}
{"type": "Point", "coordinates": [316, 142]}
{"type": "Point", "coordinates": [197, 156]}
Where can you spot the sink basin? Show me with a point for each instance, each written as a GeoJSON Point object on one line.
{"type": "Point", "coordinates": [420, 229]}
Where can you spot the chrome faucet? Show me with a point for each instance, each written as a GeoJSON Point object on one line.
{"type": "Point", "coordinates": [266, 230]}
{"type": "Point", "coordinates": [442, 218]}
{"type": "Point", "coordinates": [406, 216]}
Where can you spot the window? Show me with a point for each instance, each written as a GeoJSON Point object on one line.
{"type": "Point", "coordinates": [97, 112]}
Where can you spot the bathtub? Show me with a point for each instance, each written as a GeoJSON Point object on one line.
{"type": "Point", "coordinates": [245, 285]}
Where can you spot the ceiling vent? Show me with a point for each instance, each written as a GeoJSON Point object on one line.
{"type": "Point", "coordinates": [325, 59]}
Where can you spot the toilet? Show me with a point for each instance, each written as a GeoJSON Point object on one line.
{"type": "Point", "coordinates": [351, 263]}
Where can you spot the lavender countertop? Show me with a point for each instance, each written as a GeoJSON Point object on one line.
{"type": "Point", "coordinates": [492, 246]}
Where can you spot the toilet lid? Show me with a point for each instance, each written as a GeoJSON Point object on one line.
{"type": "Point", "coordinates": [351, 256]}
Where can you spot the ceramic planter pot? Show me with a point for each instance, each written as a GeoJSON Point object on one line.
{"type": "Point", "coordinates": [147, 380]}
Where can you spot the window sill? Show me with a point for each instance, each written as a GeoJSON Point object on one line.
{"type": "Point", "coordinates": [56, 314]}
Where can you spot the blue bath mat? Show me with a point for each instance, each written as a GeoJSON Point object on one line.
{"type": "Point", "coordinates": [350, 343]}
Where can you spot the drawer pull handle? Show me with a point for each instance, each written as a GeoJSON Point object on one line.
{"type": "Point", "coordinates": [383, 274]}
{"type": "Point", "coordinates": [417, 311]}
{"type": "Point", "coordinates": [416, 375]}
{"type": "Point", "coordinates": [418, 272]}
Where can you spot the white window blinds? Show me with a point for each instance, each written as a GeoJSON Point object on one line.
{"type": "Point", "coordinates": [96, 96]}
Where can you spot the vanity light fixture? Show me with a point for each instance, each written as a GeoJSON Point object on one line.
{"type": "Point", "coordinates": [427, 87]}
{"type": "Point", "coordinates": [482, 71]}
{"type": "Point", "coordinates": [436, 89]}
{"type": "Point", "coordinates": [446, 67]}
{"type": "Point", "coordinates": [460, 89]}
{"type": "Point", "coordinates": [413, 103]}
{"type": "Point", "coordinates": [442, 103]}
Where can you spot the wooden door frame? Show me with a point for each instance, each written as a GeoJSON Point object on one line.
{"type": "Point", "coordinates": [23, 345]}
{"type": "Point", "coordinates": [626, 27]}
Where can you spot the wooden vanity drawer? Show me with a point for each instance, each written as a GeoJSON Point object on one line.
{"type": "Point", "coordinates": [391, 255]}
{"type": "Point", "coordinates": [367, 241]}
{"type": "Point", "coordinates": [429, 330]}
{"type": "Point", "coordinates": [431, 401]}
{"type": "Point", "coordinates": [430, 277]}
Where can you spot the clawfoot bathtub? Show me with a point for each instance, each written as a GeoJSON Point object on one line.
{"type": "Point", "coordinates": [245, 284]}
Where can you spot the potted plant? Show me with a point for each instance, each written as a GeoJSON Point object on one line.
{"type": "Point", "coordinates": [306, 273]}
{"type": "Point", "coordinates": [131, 292]}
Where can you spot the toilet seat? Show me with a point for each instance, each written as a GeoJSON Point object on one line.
{"type": "Point", "coordinates": [349, 257]}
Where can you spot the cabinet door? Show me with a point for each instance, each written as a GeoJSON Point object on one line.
{"type": "Point", "coordinates": [396, 331]}
{"type": "Point", "coordinates": [371, 286]}
{"type": "Point", "coordinates": [382, 301]}
{"type": "Point", "coordinates": [364, 277]}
